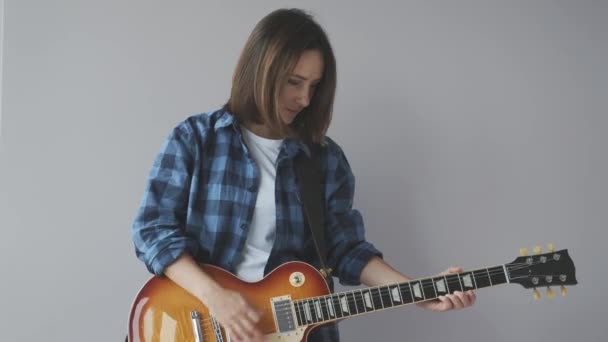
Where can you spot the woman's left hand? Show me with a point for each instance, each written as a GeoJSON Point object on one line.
{"type": "Point", "coordinates": [457, 300]}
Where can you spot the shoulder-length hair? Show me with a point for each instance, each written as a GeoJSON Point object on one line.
{"type": "Point", "coordinates": [265, 64]}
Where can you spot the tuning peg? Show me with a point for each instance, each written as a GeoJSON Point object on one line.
{"type": "Point", "coordinates": [536, 294]}
{"type": "Point", "coordinates": [550, 293]}
{"type": "Point", "coordinates": [564, 291]}
{"type": "Point", "coordinates": [551, 247]}
{"type": "Point", "coordinates": [537, 250]}
{"type": "Point", "coordinates": [523, 252]}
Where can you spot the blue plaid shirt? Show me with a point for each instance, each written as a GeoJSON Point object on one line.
{"type": "Point", "coordinates": [201, 193]}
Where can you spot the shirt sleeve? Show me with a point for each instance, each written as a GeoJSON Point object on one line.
{"type": "Point", "coordinates": [348, 251]}
{"type": "Point", "coordinates": [158, 229]}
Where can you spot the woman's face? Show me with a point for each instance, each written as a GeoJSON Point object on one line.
{"type": "Point", "coordinates": [295, 95]}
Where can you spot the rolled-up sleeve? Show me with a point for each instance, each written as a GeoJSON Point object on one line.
{"type": "Point", "coordinates": [348, 251]}
{"type": "Point", "coordinates": [158, 229]}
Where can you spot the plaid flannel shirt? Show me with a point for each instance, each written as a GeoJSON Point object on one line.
{"type": "Point", "coordinates": [200, 197]}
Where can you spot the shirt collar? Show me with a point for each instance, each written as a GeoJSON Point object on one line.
{"type": "Point", "coordinates": [291, 146]}
{"type": "Point", "coordinates": [226, 119]}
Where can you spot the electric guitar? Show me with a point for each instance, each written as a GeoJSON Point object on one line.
{"type": "Point", "coordinates": [295, 298]}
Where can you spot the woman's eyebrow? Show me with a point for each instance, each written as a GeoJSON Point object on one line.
{"type": "Point", "coordinates": [304, 78]}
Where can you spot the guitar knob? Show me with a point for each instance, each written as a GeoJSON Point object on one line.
{"type": "Point", "coordinates": [551, 247]}
{"type": "Point", "coordinates": [536, 294]}
{"type": "Point", "coordinates": [537, 250]}
{"type": "Point", "coordinates": [523, 252]}
{"type": "Point", "coordinates": [550, 293]}
{"type": "Point", "coordinates": [564, 291]}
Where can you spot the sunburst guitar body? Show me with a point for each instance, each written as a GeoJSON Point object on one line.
{"type": "Point", "coordinates": [163, 311]}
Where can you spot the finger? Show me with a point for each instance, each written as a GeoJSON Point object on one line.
{"type": "Point", "coordinates": [236, 332]}
{"type": "Point", "coordinates": [249, 327]}
{"type": "Point", "coordinates": [456, 302]}
{"type": "Point", "coordinates": [472, 297]}
{"type": "Point", "coordinates": [254, 315]}
{"type": "Point", "coordinates": [445, 304]}
{"type": "Point", "coordinates": [464, 298]}
{"type": "Point", "coordinates": [455, 269]}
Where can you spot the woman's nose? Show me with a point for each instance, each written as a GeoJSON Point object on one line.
{"type": "Point", "coordinates": [303, 98]}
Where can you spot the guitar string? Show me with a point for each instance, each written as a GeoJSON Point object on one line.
{"type": "Point", "coordinates": [359, 300]}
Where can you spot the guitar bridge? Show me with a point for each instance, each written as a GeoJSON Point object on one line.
{"type": "Point", "coordinates": [196, 326]}
{"type": "Point", "coordinates": [198, 331]}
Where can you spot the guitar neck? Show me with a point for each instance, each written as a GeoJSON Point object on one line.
{"type": "Point", "coordinates": [357, 302]}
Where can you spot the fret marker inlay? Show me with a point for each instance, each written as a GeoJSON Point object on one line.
{"type": "Point", "coordinates": [307, 312]}
{"type": "Point", "coordinates": [318, 307]}
{"type": "Point", "coordinates": [395, 293]}
{"type": "Point", "coordinates": [440, 284]}
{"type": "Point", "coordinates": [417, 291]}
{"type": "Point", "coordinates": [330, 307]}
{"type": "Point", "coordinates": [368, 301]}
{"type": "Point", "coordinates": [344, 304]}
{"type": "Point", "coordinates": [467, 281]}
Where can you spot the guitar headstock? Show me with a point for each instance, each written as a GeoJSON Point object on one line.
{"type": "Point", "coordinates": [554, 268]}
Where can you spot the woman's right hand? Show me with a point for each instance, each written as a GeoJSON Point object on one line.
{"type": "Point", "coordinates": [235, 315]}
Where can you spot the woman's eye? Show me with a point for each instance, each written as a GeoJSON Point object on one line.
{"type": "Point", "coordinates": [293, 82]}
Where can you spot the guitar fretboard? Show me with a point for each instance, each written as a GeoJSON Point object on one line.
{"type": "Point", "coordinates": [356, 302]}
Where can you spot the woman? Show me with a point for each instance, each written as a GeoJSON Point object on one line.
{"type": "Point", "coordinates": [222, 190]}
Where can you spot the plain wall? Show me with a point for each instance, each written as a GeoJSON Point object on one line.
{"type": "Point", "coordinates": [474, 128]}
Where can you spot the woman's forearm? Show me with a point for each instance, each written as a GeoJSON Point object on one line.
{"type": "Point", "coordinates": [378, 272]}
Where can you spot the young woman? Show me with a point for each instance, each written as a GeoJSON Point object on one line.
{"type": "Point", "coordinates": [223, 189]}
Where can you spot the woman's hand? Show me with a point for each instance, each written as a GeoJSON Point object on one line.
{"type": "Point", "coordinates": [457, 300]}
{"type": "Point", "coordinates": [234, 314]}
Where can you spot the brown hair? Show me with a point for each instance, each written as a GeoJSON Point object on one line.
{"type": "Point", "coordinates": [266, 62]}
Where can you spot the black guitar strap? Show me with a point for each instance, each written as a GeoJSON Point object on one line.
{"type": "Point", "coordinates": [310, 181]}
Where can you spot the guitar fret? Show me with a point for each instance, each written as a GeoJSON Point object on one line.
{"type": "Point", "coordinates": [313, 312]}
{"type": "Point", "coordinates": [474, 281]}
{"type": "Point", "coordinates": [407, 290]}
{"type": "Point", "coordinates": [467, 282]}
{"type": "Point", "coordinates": [498, 275]}
{"type": "Point", "coordinates": [490, 278]}
{"type": "Point", "coordinates": [367, 298]}
{"type": "Point", "coordinates": [324, 308]}
{"type": "Point", "coordinates": [351, 303]}
{"type": "Point", "coordinates": [481, 279]}
{"type": "Point", "coordinates": [453, 283]}
{"type": "Point", "coordinates": [330, 307]}
{"type": "Point", "coordinates": [318, 310]}
{"type": "Point", "coordinates": [441, 285]}
{"type": "Point", "coordinates": [386, 297]}
{"type": "Point", "coordinates": [376, 298]}
{"type": "Point", "coordinates": [298, 308]}
{"type": "Point", "coordinates": [428, 289]}
{"type": "Point", "coordinates": [359, 301]}
{"type": "Point", "coordinates": [336, 301]}
{"type": "Point", "coordinates": [417, 291]}
{"type": "Point", "coordinates": [344, 305]}
{"type": "Point", "coordinates": [307, 312]}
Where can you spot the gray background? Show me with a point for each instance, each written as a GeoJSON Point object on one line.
{"type": "Point", "coordinates": [474, 128]}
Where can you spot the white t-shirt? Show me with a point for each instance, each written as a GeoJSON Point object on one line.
{"type": "Point", "coordinates": [263, 225]}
